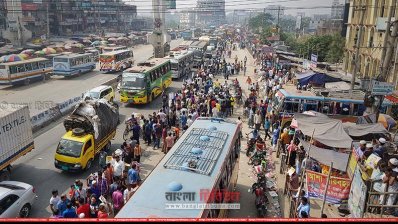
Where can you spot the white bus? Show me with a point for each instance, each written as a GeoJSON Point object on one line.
{"type": "Point", "coordinates": [181, 63]}
{"type": "Point", "coordinates": [113, 48]}
{"type": "Point", "coordinates": [73, 64]}
{"type": "Point", "coordinates": [116, 61]}
{"type": "Point", "coordinates": [23, 72]}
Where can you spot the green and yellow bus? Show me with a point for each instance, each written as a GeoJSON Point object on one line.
{"type": "Point", "coordinates": [142, 83]}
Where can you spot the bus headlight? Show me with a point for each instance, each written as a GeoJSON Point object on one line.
{"type": "Point", "coordinates": [77, 165]}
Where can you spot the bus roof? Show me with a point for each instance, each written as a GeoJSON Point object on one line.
{"type": "Point", "coordinates": [24, 61]}
{"type": "Point", "coordinates": [113, 47]}
{"type": "Point", "coordinates": [290, 91]}
{"type": "Point", "coordinates": [147, 65]}
{"type": "Point", "coordinates": [114, 52]}
{"type": "Point", "coordinates": [149, 200]}
{"type": "Point", "coordinates": [73, 55]}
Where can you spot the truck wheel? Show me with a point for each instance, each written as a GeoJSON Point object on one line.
{"type": "Point", "coordinates": [88, 165]}
{"type": "Point", "coordinates": [107, 147]}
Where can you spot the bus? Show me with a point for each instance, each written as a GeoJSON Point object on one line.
{"type": "Point", "coordinates": [142, 83]}
{"type": "Point", "coordinates": [199, 49]}
{"type": "Point", "coordinates": [203, 162]}
{"type": "Point", "coordinates": [73, 64]}
{"type": "Point", "coordinates": [113, 48]}
{"type": "Point", "coordinates": [181, 63]}
{"type": "Point", "coordinates": [337, 104]}
{"type": "Point", "coordinates": [116, 61]}
{"type": "Point", "coordinates": [23, 72]}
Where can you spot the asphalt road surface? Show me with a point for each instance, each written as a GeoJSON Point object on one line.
{"type": "Point", "coordinates": [41, 95]}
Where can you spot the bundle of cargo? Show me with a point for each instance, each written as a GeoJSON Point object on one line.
{"type": "Point", "coordinates": [97, 117]}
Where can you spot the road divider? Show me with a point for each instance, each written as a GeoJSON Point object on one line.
{"type": "Point", "coordinates": [53, 114]}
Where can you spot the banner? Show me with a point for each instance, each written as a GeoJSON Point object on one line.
{"type": "Point", "coordinates": [352, 163]}
{"type": "Point", "coordinates": [338, 190]}
{"type": "Point", "coordinates": [357, 197]}
{"type": "Point", "coordinates": [314, 60]}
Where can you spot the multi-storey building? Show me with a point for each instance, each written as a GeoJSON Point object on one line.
{"type": "Point", "coordinates": [371, 42]}
{"type": "Point", "coordinates": [337, 10]}
{"type": "Point", "coordinates": [211, 12]}
{"type": "Point", "coordinates": [34, 16]}
{"type": "Point", "coordinates": [3, 15]}
{"type": "Point", "coordinates": [187, 18]}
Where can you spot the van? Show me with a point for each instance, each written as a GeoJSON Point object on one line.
{"type": "Point", "coordinates": [101, 92]}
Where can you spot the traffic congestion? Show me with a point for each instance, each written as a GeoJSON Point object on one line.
{"type": "Point", "coordinates": [218, 114]}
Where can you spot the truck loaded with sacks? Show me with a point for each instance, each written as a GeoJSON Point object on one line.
{"type": "Point", "coordinates": [89, 130]}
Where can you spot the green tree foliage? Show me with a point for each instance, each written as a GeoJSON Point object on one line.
{"type": "Point", "coordinates": [336, 51]}
{"type": "Point", "coordinates": [263, 20]}
{"type": "Point", "coordinates": [287, 25]}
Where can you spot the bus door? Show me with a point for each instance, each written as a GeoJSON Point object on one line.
{"type": "Point", "coordinates": [358, 109]}
{"type": "Point", "coordinates": [310, 105]}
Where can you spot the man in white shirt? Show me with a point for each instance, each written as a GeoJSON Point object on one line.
{"type": "Point", "coordinates": [190, 121]}
{"type": "Point", "coordinates": [54, 201]}
{"type": "Point", "coordinates": [162, 116]}
{"type": "Point", "coordinates": [118, 167]}
{"type": "Point", "coordinates": [361, 149]}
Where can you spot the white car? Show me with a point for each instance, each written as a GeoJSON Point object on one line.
{"type": "Point", "coordinates": [101, 92]}
{"type": "Point", "coordinates": [16, 199]}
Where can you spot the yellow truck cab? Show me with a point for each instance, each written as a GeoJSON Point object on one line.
{"type": "Point", "coordinates": [76, 151]}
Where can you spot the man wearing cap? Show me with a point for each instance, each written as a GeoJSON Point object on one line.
{"type": "Point", "coordinates": [361, 149]}
{"type": "Point", "coordinates": [381, 149]}
{"type": "Point", "coordinates": [393, 162]}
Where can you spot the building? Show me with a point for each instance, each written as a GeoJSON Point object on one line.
{"type": "Point", "coordinates": [3, 15]}
{"type": "Point", "coordinates": [187, 18]}
{"type": "Point", "coordinates": [69, 17]}
{"type": "Point", "coordinates": [210, 12]}
{"type": "Point", "coordinates": [337, 10]}
{"type": "Point", "coordinates": [15, 30]}
{"type": "Point", "coordinates": [275, 11]}
{"type": "Point", "coordinates": [34, 16]}
{"type": "Point", "coordinates": [372, 39]}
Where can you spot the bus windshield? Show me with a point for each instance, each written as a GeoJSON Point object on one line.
{"type": "Point", "coordinates": [106, 57]}
{"type": "Point", "coordinates": [69, 148]}
{"type": "Point", "coordinates": [61, 60]}
{"type": "Point", "coordinates": [174, 66]}
{"type": "Point", "coordinates": [133, 81]}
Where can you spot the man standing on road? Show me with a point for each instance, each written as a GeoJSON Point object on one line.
{"type": "Point", "coordinates": [118, 200]}
{"type": "Point", "coordinates": [136, 132]}
{"type": "Point", "coordinates": [303, 207]}
{"type": "Point", "coordinates": [169, 143]}
{"type": "Point", "coordinates": [54, 201]}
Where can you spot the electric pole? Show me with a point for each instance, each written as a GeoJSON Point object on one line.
{"type": "Point", "coordinates": [48, 20]}
{"type": "Point", "coordinates": [277, 26]}
{"type": "Point", "coordinates": [357, 45]}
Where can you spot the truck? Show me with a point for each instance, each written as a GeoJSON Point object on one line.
{"type": "Point", "coordinates": [16, 138]}
{"type": "Point", "coordinates": [89, 129]}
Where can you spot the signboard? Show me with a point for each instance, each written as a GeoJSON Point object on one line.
{"type": "Point", "coordinates": [382, 88]}
{"type": "Point", "coordinates": [338, 189]}
{"type": "Point", "coordinates": [306, 64]}
{"type": "Point", "coordinates": [356, 200]}
{"type": "Point", "coordinates": [314, 60]}
{"type": "Point", "coordinates": [29, 7]}
{"type": "Point", "coordinates": [352, 164]}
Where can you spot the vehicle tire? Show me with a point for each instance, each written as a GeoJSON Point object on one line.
{"type": "Point", "coordinates": [152, 97]}
{"type": "Point", "coordinates": [25, 211]}
{"type": "Point", "coordinates": [88, 165]}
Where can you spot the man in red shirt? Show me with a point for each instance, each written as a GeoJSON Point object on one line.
{"type": "Point", "coordinates": [118, 200]}
{"type": "Point", "coordinates": [83, 208]}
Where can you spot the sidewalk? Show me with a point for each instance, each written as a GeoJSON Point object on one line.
{"type": "Point", "coordinates": [246, 176]}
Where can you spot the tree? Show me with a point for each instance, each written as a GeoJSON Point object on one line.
{"type": "Point", "coordinates": [287, 25]}
{"type": "Point", "coordinates": [262, 20]}
{"type": "Point", "coordinates": [336, 50]}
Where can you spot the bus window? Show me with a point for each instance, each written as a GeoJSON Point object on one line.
{"type": "Point", "coordinates": [361, 109]}
{"type": "Point", "coordinates": [158, 74]}
{"type": "Point", "coordinates": [345, 109]}
{"type": "Point", "coordinates": [28, 67]}
{"type": "Point", "coordinates": [13, 69]}
{"type": "Point", "coordinates": [35, 66]}
{"type": "Point", "coordinates": [21, 68]}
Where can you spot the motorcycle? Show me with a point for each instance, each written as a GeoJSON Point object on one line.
{"type": "Point", "coordinates": [261, 200]}
{"type": "Point", "coordinates": [257, 158]}
{"type": "Point", "coordinates": [250, 146]}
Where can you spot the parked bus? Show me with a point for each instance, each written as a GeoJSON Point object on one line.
{"type": "Point", "coordinates": [142, 83]}
{"type": "Point", "coordinates": [113, 48]}
{"type": "Point", "coordinates": [339, 105]}
{"type": "Point", "coordinates": [116, 61]}
{"type": "Point", "coordinates": [181, 63]}
{"type": "Point", "coordinates": [73, 64]}
{"type": "Point", "coordinates": [205, 159]}
{"type": "Point", "coordinates": [23, 72]}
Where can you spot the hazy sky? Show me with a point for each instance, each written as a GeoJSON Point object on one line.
{"type": "Point", "coordinates": [144, 7]}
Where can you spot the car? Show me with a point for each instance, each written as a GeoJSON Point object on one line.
{"type": "Point", "coordinates": [101, 92]}
{"type": "Point", "coordinates": [16, 199]}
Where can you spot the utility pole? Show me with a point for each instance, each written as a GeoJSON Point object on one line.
{"type": "Point", "coordinates": [48, 20]}
{"type": "Point", "coordinates": [277, 26]}
{"type": "Point", "coordinates": [357, 46]}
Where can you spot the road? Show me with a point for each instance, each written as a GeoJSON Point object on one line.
{"type": "Point", "coordinates": [58, 89]}
{"type": "Point", "coordinates": [37, 167]}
